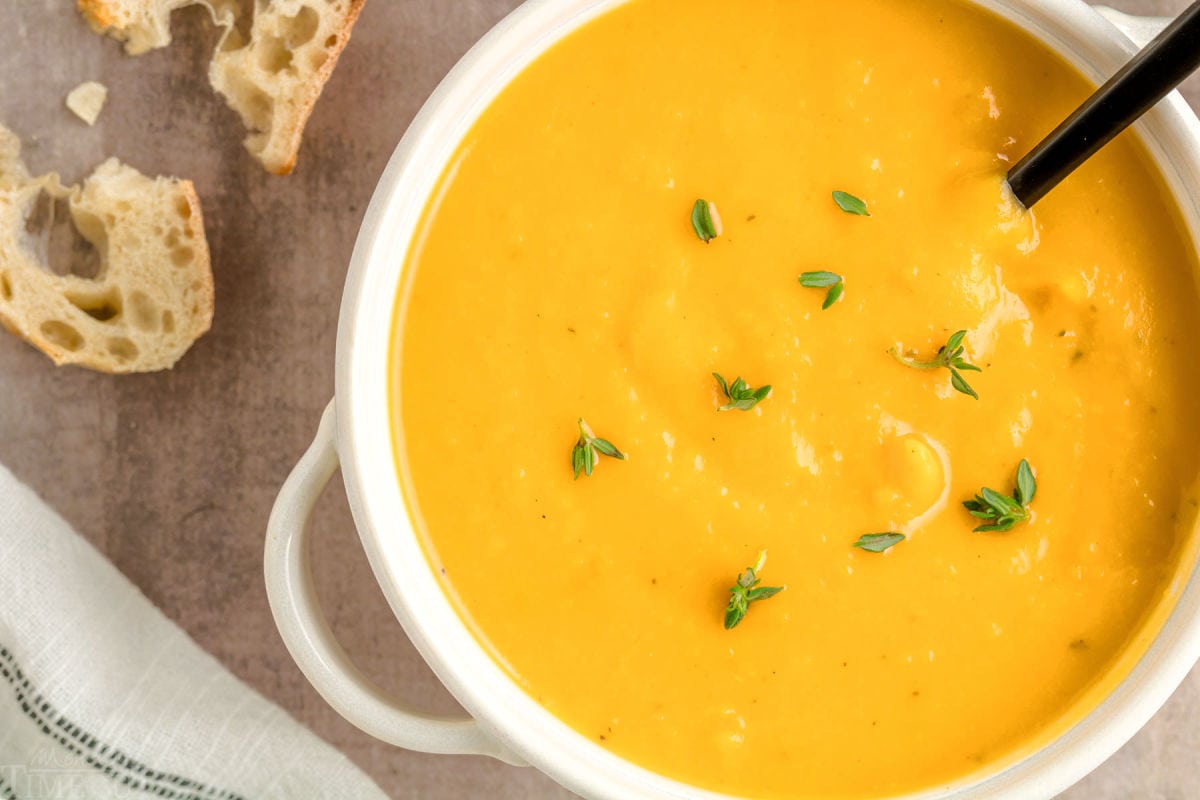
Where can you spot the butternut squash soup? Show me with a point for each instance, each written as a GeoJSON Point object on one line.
{"type": "Point", "coordinates": [717, 279]}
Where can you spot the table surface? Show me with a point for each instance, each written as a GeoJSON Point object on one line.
{"type": "Point", "coordinates": [172, 475]}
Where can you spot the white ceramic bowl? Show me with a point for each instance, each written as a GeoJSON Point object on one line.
{"type": "Point", "coordinates": [505, 722]}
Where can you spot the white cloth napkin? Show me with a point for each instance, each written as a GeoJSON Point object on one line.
{"type": "Point", "coordinates": [101, 696]}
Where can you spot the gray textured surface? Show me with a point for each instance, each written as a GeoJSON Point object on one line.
{"type": "Point", "coordinates": [173, 475]}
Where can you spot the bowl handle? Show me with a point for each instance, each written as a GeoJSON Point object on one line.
{"type": "Point", "coordinates": [312, 644]}
{"type": "Point", "coordinates": [1140, 30]}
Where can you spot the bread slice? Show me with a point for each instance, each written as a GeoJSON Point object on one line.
{"type": "Point", "coordinates": [274, 77]}
{"type": "Point", "coordinates": [152, 295]}
{"type": "Point", "coordinates": [271, 71]}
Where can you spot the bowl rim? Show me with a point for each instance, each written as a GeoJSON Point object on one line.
{"type": "Point", "coordinates": [373, 485]}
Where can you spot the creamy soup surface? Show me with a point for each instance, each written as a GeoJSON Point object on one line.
{"type": "Point", "coordinates": [557, 275]}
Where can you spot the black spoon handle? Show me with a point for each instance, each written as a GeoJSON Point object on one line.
{"type": "Point", "coordinates": [1157, 69]}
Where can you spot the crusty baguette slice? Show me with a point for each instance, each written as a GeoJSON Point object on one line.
{"type": "Point", "coordinates": [271, 76]}
{"type": "Point", "coordinates": [153, 294]}
{"type": "Point", "coordinates": [274, 78]}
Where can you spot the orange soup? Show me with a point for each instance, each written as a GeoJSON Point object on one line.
{"type": "Point", "coordinates": [845, 163]}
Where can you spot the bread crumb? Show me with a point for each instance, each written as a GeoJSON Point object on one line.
{"type": "Point", "coordinates": [86, 100]}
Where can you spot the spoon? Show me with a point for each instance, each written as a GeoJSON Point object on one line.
{"type": "Point", "coordinates": [1157, 69]}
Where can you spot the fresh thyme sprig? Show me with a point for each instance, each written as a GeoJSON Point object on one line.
{"type": "Point", "coordinates": [851, 204]}
{"type": "Point", "coordinates": [584, 454]}
{"type": "Point", "coordinates": [950, 356]}
{"type": "Point", "coordinates": [746, 591]}
{"type": "Point", "coordinates": [878, 542]}
{"type": "Point", "coordinates": [741, 397]}
{"type": "Point", "coordinates": [835, 283]}
{"type": "Point", "coordinates": [706, 221]}
{"type": "Point", "coordinates": [1003, 511]}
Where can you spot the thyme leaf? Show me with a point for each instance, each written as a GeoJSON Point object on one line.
{"type": "Point", "coordinates": [950, 356]}
{"type": "Point", "coordinates": [706, 222]}
{"type": "Point", "coordinates": [851, 204]}
{"type": "Point", "coordinates": [740, 395]}
{"type": "Point", "coordinates": [746, 590]}
{"type": "Point", "coordinates": [878, 542]}
{"type": "Point", "coordinates": [835, 283]}
{"type": "Point", "coordinates": [587, 450]}
{"type": "Point", "coordinates": [1000, 512]}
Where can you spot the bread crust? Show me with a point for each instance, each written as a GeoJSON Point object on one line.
{"type": "Point", "coordinates": [98, 14]}
{"type": "Point", "coordinates": [314, 88]}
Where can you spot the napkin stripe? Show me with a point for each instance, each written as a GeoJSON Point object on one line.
{"type": "Point", "coordinates": [108, 760]}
